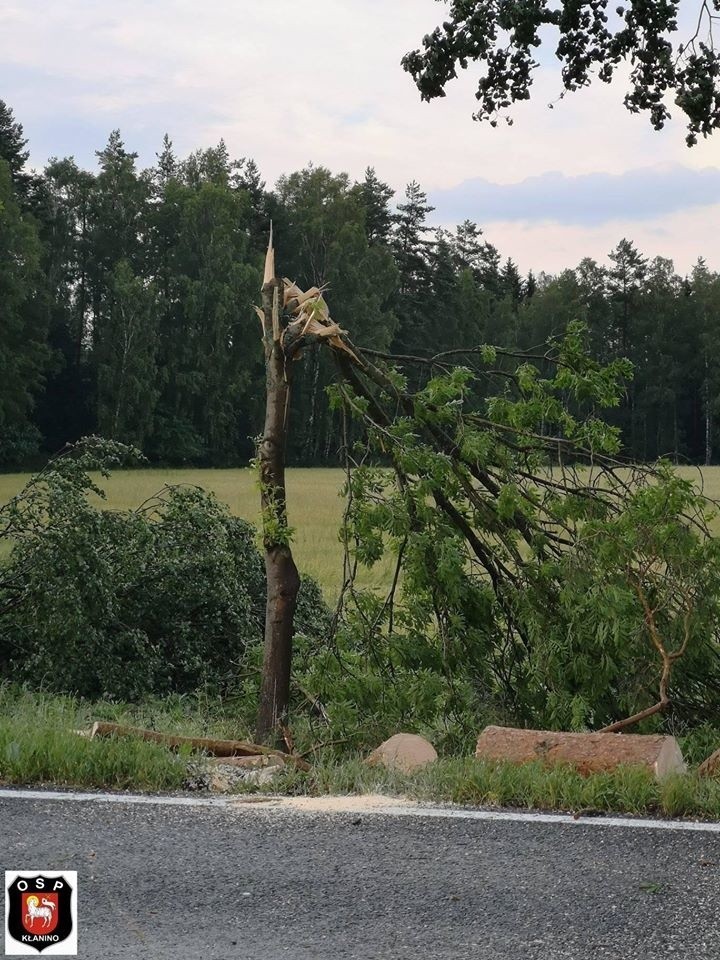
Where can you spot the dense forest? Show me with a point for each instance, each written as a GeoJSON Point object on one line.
{"type": "Point", "coordinates": [126, 305]}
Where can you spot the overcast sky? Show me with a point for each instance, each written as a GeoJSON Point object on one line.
{"type": "Point", "coordinates": [293, 81]}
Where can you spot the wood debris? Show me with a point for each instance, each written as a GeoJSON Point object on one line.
{"type": "Point", "coordinates": [209, 745]}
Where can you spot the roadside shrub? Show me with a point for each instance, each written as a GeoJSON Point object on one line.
{"type": "Point", "coordinates": [167, 597]}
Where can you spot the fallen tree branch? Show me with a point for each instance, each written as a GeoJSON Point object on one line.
{"type": "Point", "coordinates": [216, 748]}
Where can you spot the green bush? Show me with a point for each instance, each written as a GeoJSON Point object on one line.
{"type": "Point", "coordinates": [167, 597]}
{"type": "Point", "coordinates": [18, 444]}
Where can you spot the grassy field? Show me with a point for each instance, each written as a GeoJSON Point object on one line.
{"type": "Point", "coordinates": [314, 503]}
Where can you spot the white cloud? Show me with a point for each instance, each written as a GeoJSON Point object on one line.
{"type": "Point", "coordinates": [682, 237]}
{"type": "Point", "coordinates": [289, 82]}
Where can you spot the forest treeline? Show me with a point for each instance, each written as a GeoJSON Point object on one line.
{"type": "Point", "coordinates": [126, 305]}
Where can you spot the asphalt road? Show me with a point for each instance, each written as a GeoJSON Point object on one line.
{"type": "Point", "coordinates": [210, 883]}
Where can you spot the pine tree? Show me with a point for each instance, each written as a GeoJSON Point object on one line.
{"type": "Point", "coordinates": [248, 178]}
{"type": "Point", "coordinates": [411, 247]}
{"type": "Point", "coordinates": [412, 256]}
{"type": "Point", "coordinates": [511, 282]}
{"type": "Point", "coordinates": [529, 286]}
{"type": "Point", "coordinates": [23, 348]}
{"type": "Point", "coordinates": [469, 247]}
{"type": "Point", "coordinates": [477, 255]}
{"type": "Point", "coordinates": [624, 279]}
{"type": "Point", "coordinates": [375, 197]}
{"type": "Point", "coordinates": [445, 327]}
{"type": "Point", "coordinates": [167, 163]}
{"type": "Point", "coordinates": [12, 147]}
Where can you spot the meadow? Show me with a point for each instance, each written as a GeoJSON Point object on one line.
{"type": "Point", "coordinates": [315, 507]}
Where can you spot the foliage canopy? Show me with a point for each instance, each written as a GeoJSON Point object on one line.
{"type": "Point", "coordinates": [594, 40]}
{"type": "Point", "coordinates": [543, 576]}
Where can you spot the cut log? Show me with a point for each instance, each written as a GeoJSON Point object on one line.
{"type": "Point", "coordinates": [216, 748]}
{"type": "Point", "coordinates": [711, 766]}
{"type": "Point", "coordinates": [587, 752]}
{"type": "Point", "coordinates": [405, 752]}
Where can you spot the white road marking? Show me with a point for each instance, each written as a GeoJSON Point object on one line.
{"type": "Point", "coordinates": [269, 803]}
{"type": "Point", "coordinates": [131, 798]}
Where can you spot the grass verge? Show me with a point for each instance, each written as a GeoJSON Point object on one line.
{"type": "Point", "coordinates": [471, 782]}
{"type": "Point", "coordinates": [38, 746]}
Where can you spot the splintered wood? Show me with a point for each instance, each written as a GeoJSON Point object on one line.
{"type": "Point", "coordinates": [312, 317]}
{"type": "Point", "coordinates": [308, 309]}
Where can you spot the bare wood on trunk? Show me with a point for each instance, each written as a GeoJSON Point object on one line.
{"type": "Point", "coordinates": [283, 580]}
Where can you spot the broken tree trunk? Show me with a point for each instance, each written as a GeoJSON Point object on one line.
{"type": "Point", "coordinates": [292, 319]}
{"type": "Point", "coordinates": [283, 581]}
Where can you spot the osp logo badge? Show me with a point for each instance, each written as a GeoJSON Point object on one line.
{"type": "Point", "coordinates": [40, 913]}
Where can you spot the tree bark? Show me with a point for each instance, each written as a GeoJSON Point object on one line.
{"type": "Point", "coordinates": [587, 752]}
{"type": "Point", "coordinates": [283, 581]}
{"type": "Point", "coordinates": [708, 417]}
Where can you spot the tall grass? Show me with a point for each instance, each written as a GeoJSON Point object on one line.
{"type": "Point", "coordinates": [39, 745]}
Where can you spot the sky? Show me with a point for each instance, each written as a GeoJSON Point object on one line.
{"type": "Point", "coordinates": [289, 82]}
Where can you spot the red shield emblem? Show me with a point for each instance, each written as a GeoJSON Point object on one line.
{"type": "Point", "coordinates": [39, 912]}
